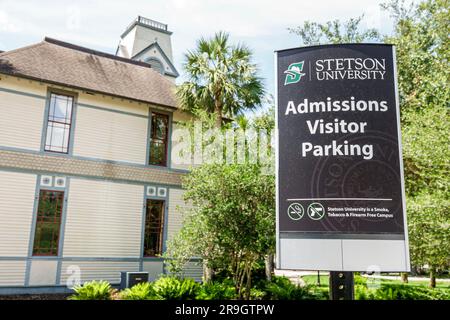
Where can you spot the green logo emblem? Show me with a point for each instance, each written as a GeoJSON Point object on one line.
{"type": "Point", "coordinates": [294, 73]}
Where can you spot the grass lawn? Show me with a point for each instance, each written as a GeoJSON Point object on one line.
{"type": "Point", "coordinates": [324, 281]}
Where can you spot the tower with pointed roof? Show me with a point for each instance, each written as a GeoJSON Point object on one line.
{"type": "Point", "coordinates": [149, 41]}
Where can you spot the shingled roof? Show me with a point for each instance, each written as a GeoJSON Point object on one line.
{"type": "Point", "coordinates": [62, 63]}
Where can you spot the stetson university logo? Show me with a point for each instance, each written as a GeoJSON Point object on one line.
{"type": "Point", "coordinates": [294, 72]}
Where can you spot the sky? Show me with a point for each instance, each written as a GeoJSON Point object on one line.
{"type": "Point", "coordinates": [260, 24]}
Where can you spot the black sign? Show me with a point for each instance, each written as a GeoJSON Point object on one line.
{"type": "Point", "coordinates": [339, 161]}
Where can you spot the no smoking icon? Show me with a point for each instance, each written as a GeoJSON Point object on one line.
{"type": "Point", "coordinates": [295, 211]}
{"type": "Point", "coordinates": [316, 211]}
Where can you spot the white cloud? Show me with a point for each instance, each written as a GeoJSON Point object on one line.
{"type": "Point", "coordinates": [6, 24]}
{"type": "Point", "coordinates": [262, 24]}
{"type": "Point", "coordinates": [251, 18]}
{"type": "Point", "coordinates": [73, 18]}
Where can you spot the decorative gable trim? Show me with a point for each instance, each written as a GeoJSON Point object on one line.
{"type": "Point", "coordinates": [173, 73]}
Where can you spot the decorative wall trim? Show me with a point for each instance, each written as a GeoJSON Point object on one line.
{"type": "Point", "coordinates": [62, 155]}
{"type": "Point", "coordinates": [36, 162]}
{"type": "Point", "coordinates": [173, 73]}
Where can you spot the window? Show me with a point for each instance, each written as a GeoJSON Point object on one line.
{"type": "Point", "coordinates": [156, 65]}
{"type": "Point", "coordinates": [46, 236]}
{"type": "Point", "coordinates": [58, 123]}
{"type": "Point", "coordinates": [154, 219]}
{"type": "Point", "coordinates": [158, 139]}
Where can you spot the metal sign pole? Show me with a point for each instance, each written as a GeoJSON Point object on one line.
{"type": "Point", "coordinates": [342, 285]}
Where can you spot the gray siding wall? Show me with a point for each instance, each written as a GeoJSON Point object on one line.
{"type": "Point", "coordinates": [103, 219]}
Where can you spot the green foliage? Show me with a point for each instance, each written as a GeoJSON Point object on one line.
{"type": "Point", "coordinates": [281, 288]}
{"type": "Point", "coordinates": [429, 225]}
{"type": "Point", "coordinates": [358, 279]}
{"type": "Point", "coordinates": [93, 290]}
{"type": "Point", "coordinates": [397, 291]}
{"type": "Point", "coordinates": [257, 294]}
{"type": "Point", "coordinates": [221, 78]}
{"type": "Point", "coordinates": [332, 32]}
{"type": "Point", "coordinates": [247, 139]}
{"type": "Point", "coordinates": [266, 120]}
{"type": "Point", "coordinates": [423, 53]}
{"type": "Point", "coordinates": [224, 290]}
{"type": "Point", "coordinates": [425, 152]}
{"type": "Point", "coordinates": [141, 291]}
{"type": "Point", "coordinates": [173, 288]}
{"type": "Point", "coordinates": [408, 292]}
{"type": "Point", "coordinates": [232, 223]}
{"type": "Point", "coordinates": [364, 293]}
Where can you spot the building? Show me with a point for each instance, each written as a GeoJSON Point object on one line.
{"type": "Point", "coordinates": [88, 185]}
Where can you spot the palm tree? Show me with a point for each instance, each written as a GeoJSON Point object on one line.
{"type": "Point", "coordinates": [221, 78]}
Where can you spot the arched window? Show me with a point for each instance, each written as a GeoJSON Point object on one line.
{"type": "Point", "coordinates": [156, 65]}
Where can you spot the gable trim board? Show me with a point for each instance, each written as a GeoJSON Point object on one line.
{"type": "Point", "coordinates": [173, 73]}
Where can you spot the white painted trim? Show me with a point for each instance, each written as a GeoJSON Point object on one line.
{"type": "Point", "coordinates": [277, 202]}
{"type": "Point", "coordinates": [400, 154]}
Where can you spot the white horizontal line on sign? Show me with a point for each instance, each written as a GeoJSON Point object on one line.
{"type": "Point", "coordinates": [306, 199]}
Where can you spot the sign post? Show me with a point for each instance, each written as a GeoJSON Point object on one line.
{"type": "Point", "coordinates": [342, 286]}
{"type": "Point", "coordinates": [340, 186]}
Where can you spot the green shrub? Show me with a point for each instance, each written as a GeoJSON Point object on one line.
{"type": "Point", "coordinates": [93, 290]}
{"type": "Point", "coordinates": [224, 290]}
{"type": "Point", "coordinates": [410, 292]}
{"type": "Point", "coordinates": [257, 294]}
{"type": "Point", "coordinates": [360, 280]}
{"type": "Point", "coordinates": [363, 293]}
{"type": "Point", "coordinates": [394, 291]}
{"type": "Point", "coordinates": [281, 288]}
{"type": "Point", "coordinates": [141, 291]}
{"type": "Point", "coordinates": [319, 293]}
{"type": "Point", "coordinates": [173, 288]}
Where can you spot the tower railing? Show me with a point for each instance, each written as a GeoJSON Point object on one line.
{"type": "Point", "coordinates": [150, 23]}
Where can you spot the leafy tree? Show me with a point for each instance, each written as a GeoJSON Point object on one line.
{"type": "Point", "coordinates": [266, 120]}
{"type": "Point", "coordinates": [423, 54]}
{"type": "Point", "coordinates": [232, 223]}
{"type": "Point", "coordinates": [332, 32]}
{"type": "Point", "coordinates": [221, 78]}
{"type": "Point", "coordinates": [429, 235]}
{"type": "Point", "coordinates": [422, 51]}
